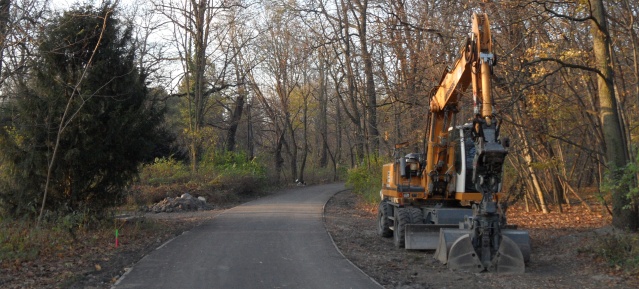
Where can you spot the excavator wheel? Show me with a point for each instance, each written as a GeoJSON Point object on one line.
{"type": "Point", "coordinates": [384, 223]}
{"type": "Point", "coordinates": [416, 215]}
{"type": "Point", "coordinates": [402, 218]}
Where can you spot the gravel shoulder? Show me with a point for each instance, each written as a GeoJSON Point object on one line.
{"type": "Point", "coordinates": [560, 255]}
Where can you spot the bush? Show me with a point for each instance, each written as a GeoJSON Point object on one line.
{"type": "Point", "coordinates": [230, 164]}
{"type": "Point", "coordinates": [622, 180]}
{"type": "Point", "coordinates": [21, 240]}
{"type": "Point", "coordinates": [221, 178]}
{"type": "Point", "coordinates": [164, 171]}
{"type": "Point", "coordinates": [366, 180]}
{"type": "Point", "coordinates": [236, 173]}
{"type": "Point", "coordinates": [620, 250]}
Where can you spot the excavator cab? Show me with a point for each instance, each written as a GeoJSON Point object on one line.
{"type": "Point", "coordinates": [411, 165]}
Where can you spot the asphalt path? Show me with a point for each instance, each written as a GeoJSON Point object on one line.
{"type": "Point", "coordinates": [274, 242]}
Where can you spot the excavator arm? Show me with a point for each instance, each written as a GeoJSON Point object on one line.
{"type": "Point", "coordinates": [473, 66]}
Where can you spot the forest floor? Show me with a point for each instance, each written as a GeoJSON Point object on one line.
{"type": "Point", "coordinates": [564, 251]}
{"type": "Point", "coordinates": [91, 259]}
{"type": "Point", "coordinates": [563, 255]}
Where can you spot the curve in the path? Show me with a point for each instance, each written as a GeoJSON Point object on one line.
{"type": "Point", "coordinates": [275, 242]}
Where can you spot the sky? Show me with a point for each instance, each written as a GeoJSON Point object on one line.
{"type": "Point", "coordinates": [63, 4]}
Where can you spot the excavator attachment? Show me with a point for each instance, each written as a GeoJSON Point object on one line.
{"type": "Point", "coordinates": [446, 239]}
{"type": "Point", "coordinates": [457, 251]}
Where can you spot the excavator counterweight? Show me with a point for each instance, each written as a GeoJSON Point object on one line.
{"type": "Point", "coordinates": [448, 198]}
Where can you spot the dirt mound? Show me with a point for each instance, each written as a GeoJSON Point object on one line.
{"type": "Point", "coordinates": [184, 203]}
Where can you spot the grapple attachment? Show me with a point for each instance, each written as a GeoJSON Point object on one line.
{"type": "Point", "coordinates": [457, 251]}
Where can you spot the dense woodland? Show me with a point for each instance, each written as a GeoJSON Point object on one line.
{"type": "Point", "coordinates": [308, 89]}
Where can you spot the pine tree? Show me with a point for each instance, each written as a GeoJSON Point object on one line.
{"type": "Point", "coordinates": [85, 88]}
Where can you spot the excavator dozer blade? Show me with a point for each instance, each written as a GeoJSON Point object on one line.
{"type": "Point", "coordinates": [423, 236]}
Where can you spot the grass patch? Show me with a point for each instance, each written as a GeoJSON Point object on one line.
{"type": "Point", "coordinates": [20, 241]}
{"type": "Point", "coordinates": [53, 255]}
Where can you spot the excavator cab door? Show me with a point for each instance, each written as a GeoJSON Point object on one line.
{"type": "Point", "coordinates": [465, 153]}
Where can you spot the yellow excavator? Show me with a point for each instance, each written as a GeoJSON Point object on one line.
{"type": "Point", "coordinates": [449, 198]}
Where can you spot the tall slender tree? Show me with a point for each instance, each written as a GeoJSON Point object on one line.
{"type": "Point", "coordinates": [624, 208]}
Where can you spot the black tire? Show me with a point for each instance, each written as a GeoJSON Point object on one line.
{"type": "Point", "coordinates": [384, 211]}
{"type": "Point", "coordinates": [402, 217]}
{"type": "Point", "coordinates": [416, 216]}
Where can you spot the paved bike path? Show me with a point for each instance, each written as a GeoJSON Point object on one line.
{"type": "Point", "coordinates": [274, 242]}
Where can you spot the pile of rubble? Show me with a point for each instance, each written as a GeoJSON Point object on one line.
{"type": "Point", "coordinates": [184, 203]}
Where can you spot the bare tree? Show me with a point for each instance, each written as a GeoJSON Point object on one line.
{"type": "Point", "coordinates": [196, 36]}
{"type": "Point", "coordinates": [624, 209]}
{"type": "Point", "coordinates": [5, 8]}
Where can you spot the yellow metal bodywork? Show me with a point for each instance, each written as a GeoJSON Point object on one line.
{"type": "Point", "coordinates": [390, 175]}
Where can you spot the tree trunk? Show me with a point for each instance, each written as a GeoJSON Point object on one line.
{"type": "Point", "coordinates": [242, 93]}
{"type": "Point", "coordinates": [615, 147]}
{"type": "Point", "coordinates": [292, 148]}
{"type": "Point", "coordinates": [305, 148]}
{"type": "Point", "coordinates": [557, 186]}
{"type": "Point", "coordinates": [323, 106]}
{"type": "Point", "coordinates": [236, 115]}
{"type": "Point", "coordinates": [338, 140]}
{"type": "Point", "coordinates": [249, 132]}
{"type": "Point", "coordinates": [371, 96]}
{"type": "Point", "coordinates": [195, 65]}
{"type": "Point", "coordinates": [279, 160]}
{"type": "Point", "coordinates": [535, 183]}
{"type": "Point", "coordinates": [527, 154]}
{"type": "Point", "coordinates": [5, 6]}
{"type": "Point", "coordinates": [635, 58]}
{"type": "Point", "coordinates": [353, 113]}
